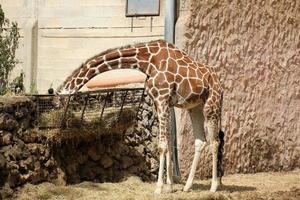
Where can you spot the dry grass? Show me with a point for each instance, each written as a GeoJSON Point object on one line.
{"type": "Point", "coordinates": [283, 185]}
{"type": "Point", "coordinates": [91, 128]}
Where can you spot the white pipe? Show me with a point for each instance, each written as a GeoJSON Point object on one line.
{"type": "Point", "coordinates": [30, 53]}
{"type": "Point", "coordinates": [170, 37]}
{"type": "Point", "coordinates": [170, 21]}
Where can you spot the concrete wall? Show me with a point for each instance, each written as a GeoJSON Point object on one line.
{"type": "Point", "coordinates": [255, 47]}
{"type": "Point", "coordinates": [71, 31]}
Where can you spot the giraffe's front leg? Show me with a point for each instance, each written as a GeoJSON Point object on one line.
{"type": "Point", "coordinates": [163, 146]}
{"type": "Point", "coordinates": [169, 186]}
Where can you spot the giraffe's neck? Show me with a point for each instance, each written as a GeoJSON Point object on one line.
{"type": "Point", "coordinates": [131, 57]}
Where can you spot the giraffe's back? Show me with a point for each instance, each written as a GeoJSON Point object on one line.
{"type": "Point", "coordinates": [194, 82]}
{"type": "Point", "coordinates": [192, 89]}
{"type": "Point", "coordinates": [176, 75]}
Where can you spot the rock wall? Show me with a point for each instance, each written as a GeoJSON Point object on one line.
{"type": "Point", "coordinates": [24, 156]}
{"type": "Point", "coordinates": [107, 158]}
{"type": "Point", "coordinates": [255, 47]}
{"type": "Point", "coordinates": [123, 150]}
{"type": "Point", "coordinates": [30, 155]}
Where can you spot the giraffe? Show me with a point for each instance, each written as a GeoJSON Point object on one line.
{"type": "Point", "coordinates": [173, 79]}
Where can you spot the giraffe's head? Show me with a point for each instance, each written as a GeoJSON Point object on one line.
{"type": "Point", "coordinates": [65, 89]}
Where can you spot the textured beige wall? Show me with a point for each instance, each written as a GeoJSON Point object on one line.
{"type": "Point", "coordinates": [255, 47]}
{"type": "Point", "coordinates": [70, 31]}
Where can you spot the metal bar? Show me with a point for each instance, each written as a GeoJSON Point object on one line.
{"type": "Point", "coordinates": [151, 24]}
{"type": "Point", "coordinates": [174, 142]}
{"type": "Point", "coordinates": [91, 92]}
{"type": "Point", "coordinates": [131, 24]}
{"type": "Point", "coordinates": [102, 111]}
{"type": "Point", "coordinates": [85, 104]}
{"type": "Point", "coordinates": [122, 105]}
{"type": "Point", "coordinates": [170, 37]}
{"type": "Point", "coordinates": [65, 113]}
{"type": "Point", "coordinates": [140, 103]}
{"type": "Point", "coordinates": [38, 109]}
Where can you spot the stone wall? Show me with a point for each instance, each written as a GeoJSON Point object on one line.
{"type": "Point", "coordinates": [30, 155]}
{"type": "Point", "coordinates": [128, 147]}
{"type": "Point", "coordinates": [24, 156]}
{"type": "Point", "coordinates": [255, 47]}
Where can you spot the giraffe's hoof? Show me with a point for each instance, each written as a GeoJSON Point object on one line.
{"type": "Point", "coordinates": [214, 186]}
{"type": "Point", "coordinates": [158, 191]}
{"type": "Point", "coordinates": [169, 188]}
{"type": "Point", "coordinates": [186, 188]}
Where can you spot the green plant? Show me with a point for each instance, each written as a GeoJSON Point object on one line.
{"type": "Point", "coordinates": [17, 85]}
{"type": "Point", "coordinates": [9, 41]}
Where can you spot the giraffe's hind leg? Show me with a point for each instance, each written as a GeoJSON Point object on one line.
{"type": "Point", "coordinates": [212, 124]}
{"type": "Point", "coordinates": [197, 119]}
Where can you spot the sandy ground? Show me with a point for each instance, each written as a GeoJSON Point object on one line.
{"type": "Point", "coordinates": [283, 185]}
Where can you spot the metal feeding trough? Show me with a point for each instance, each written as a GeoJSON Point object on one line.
{"type": "Point", "coordinates": [85, 108]}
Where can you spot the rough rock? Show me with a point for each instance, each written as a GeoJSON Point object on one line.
{"type": "Point", "coordinates": [254, 47]}
{"type": "Point", "coordinates": [2, 161]}
{"type": "Point", "coordinates": [6, 138]}
{"type": "Point", "coordinates": [20, 156]}
{"type": "Point", "coordinates": [106, 161]}
{"type": "Point", "coordinates": [7, 122]}
{"type": "Point", "coordinates": [28, 156]}
{"type": "Point", "coordinates": [126, 162]}
{"type": "Point", "coordinates": [94, 154]}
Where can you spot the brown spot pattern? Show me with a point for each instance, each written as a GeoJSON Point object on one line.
{"type": "Point", "coordinates": [111, 56]}
{"type": "Point", "coordinates": [170, 71]}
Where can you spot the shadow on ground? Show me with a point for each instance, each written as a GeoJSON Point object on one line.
{"type": "Point", "coordinates": [228, 188]}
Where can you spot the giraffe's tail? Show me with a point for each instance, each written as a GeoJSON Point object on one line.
{"type": "Point", "coordinates": [221, 147]}
{"type": "Point", "coordinates": [220, 154]}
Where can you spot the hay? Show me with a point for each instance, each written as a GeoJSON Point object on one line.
{"type": "Point", "coordinates": [52, 117]}
{"type": "Point", "coordinates": [240, 186]}
{"type": "Point", "coordinates": [87, 130]}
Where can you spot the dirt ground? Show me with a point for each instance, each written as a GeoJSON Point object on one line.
{"type": "Point", "coordinates": [277, 185]}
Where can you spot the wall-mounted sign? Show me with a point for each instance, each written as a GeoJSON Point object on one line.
{"type": "Point", "coordinates": [136, 8]}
